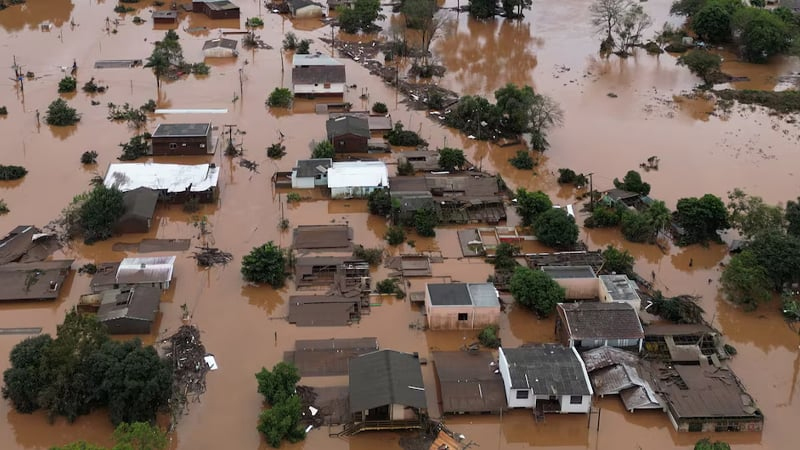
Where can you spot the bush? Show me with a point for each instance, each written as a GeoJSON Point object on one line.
{"type": "Point", "coordinates": [8, 173]}
{"type": "Point", "coordinates": [293, 197]}
{"type": "Point", "coordinates": [522, 160]}
{"type": "Point", "coordinates": [566, 176]}
{"type": "Point", "coordinates": [200, 68]}
{"type": "Point", "coordinates": [324, 149]}
{"type": "Point", "coordinates": [276, 150]}
{"type": "Point", "coordinates": [379, 202]}
{"type": "Point", "coordinates": [265, 264]}
{"type": "Point", "coordinates": [425, 221]}
{"type": "Point", "coordinates": [379, 108]}
{"type": "Point", "coordinates": [488, 336]}
{"type": "Point", "coordinates": [503, 260]}
{"type": "Point", "coordinates": [632, 182]}
{"type": "Point", "coordinates": [280, 98]}
{"type": "Point", "coordinates": [373, 256]}
{"type": "Point", "coordinates": [99, 213]}
{"type": "Point", "coordinates": [451, 159]}
{"type": "Point", "coordinates": [404, 138]}
{"type": "Point", "coordinates": [149, 106]}
{"type": "Point", "coordinates": [3, 207]}
{"type": "Point", "coordinates": [135, 148]}
{"type": "Point", "coordinates": [89, 157]}
{"type": "Point", "coordinates": [60, 114]}
{"type": "Point", "coordinates": [192, 205]}
{"type": "Point", "coordinates": [531, 204]}
{"type": "Point", "coordinates": [303, 48]}
{"type": "Point", "coordinates": [254, 22]}
{"type": "Point", "coordinates": [282, 420]}
{"type": "Point", "coordinates": [604, 217]}
{"type": "Point", "coordinates": [395, 235]}
{"type": "Point", "coordinates": [3, 111]}
{"type": "Point", "coordinates": [555, 228]}
{"type": "Point", "coordinates": [535, 290]}
{"type": "Point", "coordinates": [390, 286]}
{"type": "Point", "coordinates": [405, 168]}
{"type": "Point", "coordinates": [636, 227]}
{"type": "Point", "coordinates": [617, 261]}
{"type": "Point", "coordinates": [91, 87]}
{"type": "Point", "coordinates": [290, 41]}
{"type": "Point", "coordinates": [120, 9]}
{"type": "Point", "coordinates": [67, 84]}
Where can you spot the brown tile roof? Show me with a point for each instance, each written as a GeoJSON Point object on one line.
{"type": "Point", "coordinates": [318, 75]}
{"type": "Point", "coordinates": [613, 320]}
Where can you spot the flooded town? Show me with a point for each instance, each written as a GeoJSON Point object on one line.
{"type": "Point", "coordinates": [417, 224]}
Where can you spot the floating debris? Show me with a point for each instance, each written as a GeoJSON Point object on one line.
{"type": "Point", "coordinates": [209, 256]}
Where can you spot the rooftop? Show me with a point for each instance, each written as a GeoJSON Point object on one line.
{"type": "Point", "coordinates": [168, 177]}
{"type": "Point", "coordinates": [323, 74]}
{"type": "Point", "coordinates": [468, 382]}
{"type": "Point", "coordinates": [328, 357]}
{"type": "Point", "coordinates": [347, 125]}
{"type": "Point", "coordinates": [312, 167]}
{"type": "Point", "coordinates": [156, 269]}
{"type": "Point", "coordinates": [183, 129]}
{"type": "Point", "coordinates": [677, 329]}
{"type": "Point", "coordinates": [220, 42]}
{"type": "Point", "coordinates": [20, 242]}
{"type": "Point", "coordinates": [548, 369]}
{"type": "Point", "coordinates": [33, 281]}
{"type": "Point", "coordinates": [322, 310]}
{"type": "Point", "coordinates": [165, 14]}
{"type": "Point", "coordinates": [619, 287]}
{"type": "Point", "coordinates": [358, 174]}
{"type": "Point", "coordinates": [569, 271]}
{"type": "Point", "coordinates": [463, 294]}
{"type": "Point", "coordinates": [596, 320]}
{"type": "Point", "coordinates": [317, 59]}
{"type": "Point", "coordinates": [140, 202]}
{"type": "Point", "coordinates": [218, 5]}
{"type": "Point", "coordinates": [386, 377]}
{"type": "Point", "coordinates": [139, 303]}
{"type": "Point", "coordinates": [307, 237]}
{"type": "Point", "coordinates": [619, 194]}
{"type": "Point", "coordinates": [704, 392]}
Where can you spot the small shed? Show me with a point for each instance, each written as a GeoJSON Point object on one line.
{"type": "Point", "coordinates": [310, 173]}
{"type": "Point", "coordinates": [591, 325]}
{"type": "Point", "coordinates": [220, 48]}
{"type": "Point", "coordinates": [129, 311]}
{"type": "Point", "coordinates": [170, 139]}
{"type": "Point", "coordinates": [357, 179]}
{"type": "Point", "coordinates": [154, 271]}
{"type": "Point", "coordinates": [579, 282]}
{"type": "Point", "coordinates": [619, 288]}
{"type": "Point", "coordinates": [348, 134]}
{"type": "Point", "coordinates": [168, 17]}
{"type": "Point", "coordinates": [140, 205]}
{"type": "Point", "coordinates": [305, 9]}
{"type": "Point", "coordinates": [216, 9]}
{"type": "Point", "coordinates": [458, 306]}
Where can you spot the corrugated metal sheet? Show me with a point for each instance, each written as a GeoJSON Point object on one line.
{"type": "Point", "coordinates": [156, 269]}
{"type": "Point", "coordinates": [358, 174]}
{"type": "Point", "coordinates": [169, 177]}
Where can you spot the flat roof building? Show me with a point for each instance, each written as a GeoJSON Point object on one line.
{"type": "Point", "coordinates": [619, 288]}
{"type": "Point", "coordinates": [455, 306]}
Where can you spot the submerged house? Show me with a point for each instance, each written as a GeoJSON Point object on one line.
{"type": "Point", "coordinates": [356, 179]}
{"type": "Point", "coordinates": [545, 377]}
{"type": "Point", "coordinates": [587, 325]}
{"type": "Point", "coordinates": [386, 392]}
{"type": "Point", "coordinates": [317, 74]}
{"type": "Point", "coordinates": [174, 182]}
{"type": "Point", "coordinates": [154, 271]}
{"type": "Point", "coordinates": [216, 9]}
{"type": "Point", "coordinates": [26, 243]}
{"type": "Point", "coordinates": [459, 306]}
{"type": "Point", "coordinates": [220, 48]}
{"type": "Point", "coordinates": [125, 311]}
{"type": "Point", "coordinates": [305, 9]}
{"type": "Point", "coordinates": [140, 205]}
{"type": "Point", "coordinates": [619, 288]}
{"type": "Point", "coordinates": [579, 282]}
{"type": "Point", "coordinates": [310, 173]}
{"type": "Point", "coordinates": [348, 134]}
{"type": "Point", "coordinates": [170, 139]}
{"type": "Point", "coordinates": [40, 280]}
{"type": "Point", "coordinates": [165, 17]}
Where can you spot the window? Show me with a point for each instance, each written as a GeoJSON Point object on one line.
{"type": "Point", "coordinates": [575, 399]}
{"type": "Point", "coordinates": [173, 146]}
{"type": "Point", "coordinates": [462, 316]}
{"type": "Point", "coordinates": [522, 395]}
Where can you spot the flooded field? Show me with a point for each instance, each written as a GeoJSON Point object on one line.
{"type": "Point", "coordinates": [553, 49]}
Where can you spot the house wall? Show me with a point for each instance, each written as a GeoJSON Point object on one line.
{"type": "Point", "coordinates": [352, 191]}
{"type": "Point", "coordinates": [446, 317]}
{"type": "Point", "coordinates": [202, 7]}
{"type": "Point", "coordinates": [511, 394]}
{"type": "Point", "coordinates": [128, 326]}
{"type": "Point", "coordinates": [207, 196]}
{"type": "Point", "coordinates": [167, 20]}
{"type": "Point", "coordinates": [319, 89]}
{"type": "Point", "coordinates": [350, 143]}
{"type": "Point", "coordinates": [578, 288]}
{"type": "Point", "coordinates": [219, 52]}
{"type": "Point", "coordinates": [302, 182]}
{"type": "Point", "coordinates": [619, 343]}
{"type": "Point", "coordinates": [562, 334]}
{"type": "Point", "coordinates": [104, 287]}
{"type": "Point", "coordinates": [194, 145]}
{"type": "Point", "coordinates": [584, 407]}
{"type": "Point", "coordinates": [308, 12]}
{"type": "Point", "coordinates": [718, 424]}
{"type": "Point", "coordinates": [133, 224]}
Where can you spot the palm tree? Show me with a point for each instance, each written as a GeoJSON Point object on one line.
{"type": "Point", "coordinates": [159, 61]}
{"type": "Point", "coordinates": [659, 216]}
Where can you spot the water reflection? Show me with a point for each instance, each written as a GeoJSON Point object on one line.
{"type": "Point", "coordinates": [32, 13]}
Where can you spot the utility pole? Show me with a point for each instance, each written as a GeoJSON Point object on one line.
{"type": "Point", "coordinates": [591, 202]}
{"type": "Point", "coordinates": [241, 86]}
{"type": "Point", "coordinates": [230, 133]}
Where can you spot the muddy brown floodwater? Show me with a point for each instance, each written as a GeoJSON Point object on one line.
{"type": "Point", "coordinates": [552, 49]}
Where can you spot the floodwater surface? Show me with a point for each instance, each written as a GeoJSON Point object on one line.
{"type": "Point", "coordinates": [553, 49]}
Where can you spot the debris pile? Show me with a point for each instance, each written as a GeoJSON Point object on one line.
{"type": "Point", "coordinates": [208, 256]}
{"type": "Point", "coordinates": [307, 399]}
{"type": "Point", "coordinates": [189, 368]}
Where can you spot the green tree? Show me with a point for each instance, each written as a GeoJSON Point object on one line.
{"type": "Point", "coordinates": [280, 98]}
{"type": "Point", "coordinates": [686, 7]}
{"type": "Point", "coordinates": [535, 290]}
{"type": "Point", "coordinates": [531, 204]}
{"type": "Point", "coordinates": [701, 218]}
{"type": "Point", "coordinates": [761, 33]}
{"type": "Point", "coordinates": [265, 264]}
{"type": "Point", "coordinates": [421, 15]}
{"type": "Point", "coordinates": [282, 421]}
{"type": "Point", "coordinates": [361, 16]}
{"type": "Point", "coordinates": [522, 160]}
{"type": "Point", "coordinates": [80, 445]}
{"type": "Point", "coordinates": [545, 113]}
{"type": "Point", "coordinates": [475, 116]}
{"type": "Point", "coordinates": [793, 217]}
{"type": "Point", "coordinates": [8, 173]}
{"type": "Point", "coordinates": [482, 9]}
{"type": "Point", "coordinates": [23, 381]}
{"type": "Point", "coordinates": [712, 22]}
{"type": "Point", "coordinates": [451, 159]}
{"type": "Point", "coordinates": [304, 47]}
{"type": "Point", "coordinates": [67, 84]}
{"type": "Point", "coordinates": [100, 212]}
{"type": "Point", "coordinates": [745, 281]}
{"type": "Point", "coordinates": [503, 260]}
{"type": "Point", "coordinates": [632, 182]}
{"type": "Point", "coordinates": [555, 228]}
{"type": "Point", "coordinates": [323, 149]}
{"type": "Point", "coordinates": [605, 217]}
{"type": "Point", "coordinates": [60, 114]}
{"type": "Point", "coordinates": [139, 436]}
{"type": "Point", "coordinates": [750, 215]}
{"type": "Point", "coordinates": [379, 202]}
{"type": "Point", "coordinates": [706, 444]}
{"type": "Point", "coordinates": [658, 216]}
{"type": "Point", "coordinates": [779, 255]}
{"type": "Point", "coordinates": [404, 138]}
{"type": "Point", "coordinates": [159, 61]}
{"type": "Point", "coordinates": [702, 63]}
{"type": "Point", "coordinates": [279, 384]}
{"type": "Point", "coordinates": [425, 222]}
{"type": "Point", "coordinates": [488, 336]}
{"type": "Point", "coordinates": [514, 106]}
{"type": "Point", "coordinates": [395, 235]}
{"type": "Point", "coordinates": [617, 261]}
{"type": "Point", "coordinates": [514, 8]}
{"type": "Point", "coordinates": [636, 227]}
{"type": "Point", "coordinates": [629, 30]}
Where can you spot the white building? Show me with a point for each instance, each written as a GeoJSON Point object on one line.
{"type": "Point", "coordinates": [305, 9]}
{"type": "Point", "coordinates": [310, 173]}
{"type": "Point", "coordinates": [349, 179]}
{"type": "Point", "coordinates": [317, 74]}
{"type": "Point", "coordinates": [174, 182]}
{"type": "Point", "coordinates": [619, 288]}
{"type": "Point", "coordinates": [547, 377]}
{"type": "Point", "coordinates": [220, 48]}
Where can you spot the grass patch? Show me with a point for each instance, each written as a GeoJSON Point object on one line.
{"type": "Point", "coordinates": [782, 102]}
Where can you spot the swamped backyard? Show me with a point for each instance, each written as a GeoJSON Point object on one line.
{"type": "Point", "coordinates": [548, 239]}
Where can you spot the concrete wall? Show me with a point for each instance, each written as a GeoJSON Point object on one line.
{"type": "Point", "coordinates": [605, 297]}
{"type": "Point", "coordinates": [583, 407]}
{"type": "Point", "coordinates": [579, 288]}
{"type": "Point", "coordinates": [308, 12]}
{"type": "Point", "coordinates": [319, 89]}
{"type": "Point", "coordinates": [219, 52]}
{"type": "Point", "coordinates": [352, 192]}
{"type": "Point", "coordinates": [302, 182]}
{"type": "Point", "coordinates": [350, 143]}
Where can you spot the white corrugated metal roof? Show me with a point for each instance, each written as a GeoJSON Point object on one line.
{"type": "Point", "coordinates": [169, 177]}
{"type": "Point", "coordinates": [315, 60]}
{"type": "Point", "coordinates": [358, 174]}
{"type": "Point", "coordinates": [155, 269]}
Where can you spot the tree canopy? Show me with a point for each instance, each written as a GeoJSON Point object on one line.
{"type": "Point", "coordinates": [745, 281]}
{"type": "Point", "coordinates": [712, 22]}
{"type": "Point", "coordinates": [750, 215]}
{"type": "Point", "coordinates": [60, 114]}
{"type": "Point", "coordinates": [632, 182]}
{"type": "Point", "coordinates": [555, 228]}
{"type": "Point", "coordinates": [706, 444]}
{"type": "Point", "coordinates": [617, 261]}
{"type": "Point", "coordinates": [323, 149]}
{"type": "Point", "coordinates": [360, 17]}
{"type": "Point", "coordinates": [265, 264]}
{"type": "Point", "coordinates": [99, 213]}
{"type": "Point", "coordinates": [451, 159]}
{"type": "Point", "coordinates": [792, 217]}
{"type": "Point", "coordinates": [482, 9]}
{"type": "Point", "coordinates": [535, 290]}
{"type": "Point", "coordinates": [279, 384]}
{"type": "Point", "coordinates": [531, 204]}
{"type": "Point", "coordinates": [379, 202]}
{"type": "Point", "coordinates": [701, 218]}
{"type": "Point", "coordinates": [761, 33]}
{"type": "Point", "coordinates": [128, 436]}
{"type": "Point", "coordinates": [282, 420]}
{"type": "Point", "coordinates": [779, 255]}
{"type": "Point", "coordinates": [702, 63]}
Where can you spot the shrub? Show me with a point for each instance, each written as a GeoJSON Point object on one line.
{"type": "Point", "coordinates": [404, 138]}
{"type": "Point", "coordinates": [324, 149]}
{"type": "Point", "coordinates": [121, 9]}
{"type": "Point", "coordinates": [617, 261]}
{"type": "Point", "coordinates": [604, 217]}
{"type": "Point", "coordinates": [373, 256]}
{"type": "Point", "coordinates": [535, 290]}
{"type": "Point", "coordinates": [425, 221]}
{"type": "Point", "coordinates": [200, 68]}
{"type": "Point", "coordinates": [149, 106]}
{"type": "Point", "coordinates": [254, 22]}
{"type": "Point", "coordinates": [379, 202]}
{"type": "Point", "coordinates": [3, 111]}
{"type": "Point", "coordinates": [290, 41]}
{"type": "Point", "coordinates": [138, 20]}
{"type": "Point", "coordinates": [89, 157]}
{"type": "Point", "coordinates": [488, 336]}
{"type": "Point", "coordinates": [303, 48]}
{"type": "Point", "coordinates": [395, 235]}
{"type": "Point", "coordinates": [67, 84]}
{"type": "Point", "coordinates": [522, 160]}
{"type": "Point", "coordinates": [451, 159]}
{"type": "Point", "coordinates": [265, 264]}
{"type": "Point", "coordinates": [92, 87]}
{"type": "Point", "coordinates": [555, 228]}
{"type": "Point", "coordinates": [280, 98]}
{"type": "Point", "coordinates": [276, 150]}
{"type": "Point", "coordinates": [390, 286]}
{"type": "Point", "coordinates": [293, 197]}
{"type": "Point", "coordinates": [3, 207]}
{"type": "Point", "coordinates": [60, 114]}
{"type": "Point", "coordinates": [99, 213]}
{"type": "Point", "coordinates": [405, 168]}
{"type": "Point", "coordinates": [379, 108]}
{"type": "Point", "coordinates": [135, 148]}
{"type": "Point", "coordinates": [8, 173]}
{"type": "Point", "coordinates": [636, 227]}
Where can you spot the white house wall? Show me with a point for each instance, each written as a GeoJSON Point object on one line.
{"type": "Point", "coordinates": [352, 191]}
{"type": "Point", "coordinates": [302, 182]}
{"type": "Point", "coordinates": [583, 407]}
{"type": "Point", "coordinates": [333, 88]}
{"type": "Point", "coordinates": [511, 394]}
{"type": "Point", "coordinates": [218, 52]}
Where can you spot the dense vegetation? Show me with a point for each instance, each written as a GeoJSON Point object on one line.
{"type": "Point", "coordinates": [404, 138]}
{"type": "Point", "coordinates": [127, 436]}
{"type": "Point", "coordinates": [451, 159]}
{"type": "Point", "coordinates": [99, 212]}
{"type": "Point", "coordinates": [280, 98]}
{"type": "Point", "coordinates": [360, 17]}
{"type": "Point", "coordinates": [555, 228]}
{"type": "Point", "coordinates": [282, 419]}
{"type": "Point", "coordinates": [535, 290]}
{"type": "Point", "coordinates": [8, 173]}
{"type": "Point", "coordinates": [265, 264]}
{"type": "Point", "coordinates": [60, 114]}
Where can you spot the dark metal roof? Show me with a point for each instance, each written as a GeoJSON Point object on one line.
{"type": "Point", "coordinates": [165, 14]}
{"type": "Point", "coordinates": [139, 303]}
{"type": "Point", "coordinates": [33, 281]}
{"type": "Point", "coordinates": [706, 392]}
{"type": "Point", "coordinates": [468, 382]}
{"type": "Point", "coordinates": [449, 294]}
{"type": "Point", "coordinates": [596, 320]}
{"type": "Point", "coordinates": [307, 237]}
{"type": "Point", "coordinates": [386, 377]}
{"type": "Point", "coordinates": [619, 194]}
{"type": "Point", "coordinates": [347, 125]}
{"type": "Point", "coordinates": [311, 167]}
{"type": "Point", "coordinates": [294, 5]}
{"type": "Point", "coordinates": [569, 271]}
{"type": "Point", "coordinates": [548, 369]}
{"type": "Point", "coordinates": [220, 5]}
{"type": "Point", "coordinates": [319, 75]}
{"type": "Point", "coordinates": [140, 203]}
{"type": "Point", "coordinates": [220, 42]}
{"type": "Point", "coordinates": [16, 243]}
{"type": "Point", "coordinates": [321, 310]}
{"type": "Point", "coordinates": [677, 329]}
{"type": "Point", "coordinates": [181, 130]}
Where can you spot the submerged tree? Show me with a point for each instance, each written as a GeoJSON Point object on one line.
{"type": "Point", "coordinates": [265, 264]}
{"type": "Point", "coordinates": [605, 15]}
{"type": "Point", "coordinates": [628, 31]}
{"type": "Point", "coordinates": [745, 281]}
{"type": "Point", "coordinates": [535, 290]}
{"type": "Point", "coordinates": [702, 63]}
{"type": "Point", "coordinates": [545, 113]}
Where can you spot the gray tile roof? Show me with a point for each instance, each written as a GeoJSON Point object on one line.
{"type": "Point", "coordinates": [386, 377]}
{"type": "Point", "coordinates": [309, 167]}
{"type": "Point", "coordinates": [181, 129]}
{"type": "Point", "coordinates": [318, 75]}
{"type": "Point", "coordinates": [595, 320]}
{"type": "Point", "coordinates": [620, 287]}
{"type": "Point", "coordinates": [140, 202]}
{"type": "Point", "coordinates": [140, 303]}
{"type": "Point", "coordinates": [562, 272]}
{"type": "Point", "coordinates": [347, 125]}
{"type": "Point", "coordinates": [548, 369]}
{"type": "Point", "coordinates": [463, 294]}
